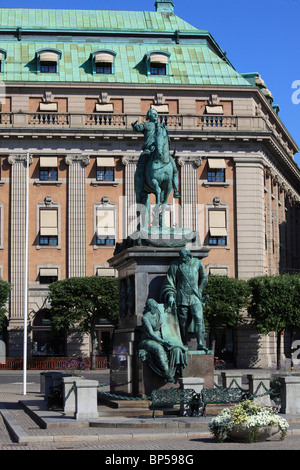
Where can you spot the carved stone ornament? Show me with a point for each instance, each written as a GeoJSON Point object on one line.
{"type": "Point", "coordinates": [83, 159]}
{"type": "Point", "coordinates": [14, 159]}
{"type": "Point", "coordinates": [195, 160]}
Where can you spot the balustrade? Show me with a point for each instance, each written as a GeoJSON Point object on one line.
{"type": "Point", "coordinates": [183, 122]}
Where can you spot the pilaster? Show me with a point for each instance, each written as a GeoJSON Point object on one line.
{"type": "Point", "coordinates": [17, 231]}
{"type": "Point", "coordinates": [189, 191]}
{"type": "Point", "coordinates": [250, 221]}
{"type": "Point", "coordinates": [77, 215]}
{"type": "Point", "coordinates": [130, 200]}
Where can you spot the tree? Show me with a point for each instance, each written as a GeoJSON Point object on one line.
{"type": "Point", "coordinates": [275, 304]}
{"type": "Point", "coordinates": [80, 302]}
{"type": "Point", "coordinates": [5, 289]}
{"type": "Point", "coordinates": [227, 298]}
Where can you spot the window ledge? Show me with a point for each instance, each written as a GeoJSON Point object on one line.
{"type": "Point", "coordinates": [223, 184]}
{"type": "Point", "coordinates": [104, 183]}
{"type": "Point", "coordinates": [48, 183]}
{"type": "Point", "coordinates": [43, 247]}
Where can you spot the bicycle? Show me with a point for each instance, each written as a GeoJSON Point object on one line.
{"type": "Point", "coordinates": [219, 364]}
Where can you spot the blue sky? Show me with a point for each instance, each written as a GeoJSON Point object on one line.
{"type": "Point", "coordinates": [258, 37]}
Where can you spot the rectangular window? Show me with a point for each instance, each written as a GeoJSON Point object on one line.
{"type": "Point", "coordinates": [105, 168]}
{"type": "Point", "coordinates": [105, 235]}
{"type": "Point", "coordinates": [158, 69]}
{"type": "Point", "coordinates": [217, 228]}
{"type": "Point", "coordinates": [48, 67]}
{"type": "Point", "coordinates": [48, 174]}
{"type": "Point", "coordinates": [51, 240]}
{"type": "Point", "coordinates": [105, 241]}
{"type": "Point", "coordinates": [48, 168]}
{"type": "Point", "coordinates": [104, 67]}
{"type": "Point", "coordinates": [217, 241]}
{"type": "Point", "coordinates": [48, 235]}
{"type": "Point", "coordinates": [216, 170]}
{"type": "Point", "coordinates": [216, 175]}
{"type": "Point", "coordinates": [48, 275]}
{"type": "Point", "coordinates": [105, 174]}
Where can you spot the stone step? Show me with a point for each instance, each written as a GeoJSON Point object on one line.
{"type": "Point", "coordinates": [131, 412]}
{"type": "Point", "coordinates": [115, 403]}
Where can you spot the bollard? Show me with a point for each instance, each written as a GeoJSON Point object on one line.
{"type": "Point", "coordinates": [69, 395]}
{"type": "Point", "coordinates": [230, 375]}
{"type": "Point", "coordinates": [86, 398]}
{"type": "Point", "coordinates": [290, 394]}
{"type": "Point", "coordinates": [256, 388]}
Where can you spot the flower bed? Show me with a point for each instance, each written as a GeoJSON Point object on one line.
{"type": "Point", "coordinates": [245, 421]}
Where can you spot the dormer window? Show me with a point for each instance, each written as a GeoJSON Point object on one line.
{"type": "Point", "coordinates": [2, 59]}
{"type": "Point", "coordinates": [103, 62]}
{"type": "Point", "coordinates": [157, 63]}
{"type": "Point", "coordinates": [48, 61]}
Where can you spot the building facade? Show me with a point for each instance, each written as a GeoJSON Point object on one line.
{"type": "Point", "coordinates": [73, 81]}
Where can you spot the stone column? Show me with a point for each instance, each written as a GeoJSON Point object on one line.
{"type": "Point", "coordinates": [189, 191]}
{"type": "Point", "coordinates": [77, 215]}
{"type": "Point", "coordinates": [250, 220]}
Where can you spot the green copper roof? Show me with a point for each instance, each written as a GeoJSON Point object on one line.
{"type": "Point", "coordinates": [190, 65]}
{"type": "Point", "coordinates": [195, 59]}
{"type": "Point", "coordinates": [34, 19]}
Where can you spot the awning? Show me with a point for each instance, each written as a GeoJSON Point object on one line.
{"type": "Point", "coordinates": [48, 107]}
{"type": "Point", "coordinates": [48, 222]}
{"type": "Point", "coordinates": [105, 161]}
{"type": "Point", "coordinates": [106, 272]}
{"type": "Point", "coordinates": [49, 57]}
{"type": "Point", "coordinates": [218, 232]}
{"type": "Point", "coordinates": [218, 271]}
{"type": "Point", "coordinates": [48, 272]}
{"type": "Point", "coordinates": [104, 57]}
{"type": "Point", "coordinates": [215, 163]}
{"type": "Point", "coordinates": [48, 162]}
{"type": "Point", "coordinates": [105, 223]}
{"type": "Point", "coordinates": [214, 109]}
{"type": "Point", "coordinates": [159, 59]}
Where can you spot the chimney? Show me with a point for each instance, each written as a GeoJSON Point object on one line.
{"type": "Point", "coordinates": [164, 6]}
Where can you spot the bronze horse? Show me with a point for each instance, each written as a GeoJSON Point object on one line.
{"type": "Point", "coordinates": [157, 180]}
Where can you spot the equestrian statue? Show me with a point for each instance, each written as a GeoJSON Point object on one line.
{"type": "Point", "coordinates": [156, 171]}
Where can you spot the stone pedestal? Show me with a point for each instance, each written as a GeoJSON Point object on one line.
{"type": "Point", "coordinates": [69, 393]}
{"type": "Point", "coordinates": [290, 395]}
{"type": "Point", "coordinates": [258, 384]}
{"type": "Point", "coordinates": [86, 399]}
{"type": "Point", "coordinates": [141, 270]}
{"type": "Point", "coordinates": [200, 365]}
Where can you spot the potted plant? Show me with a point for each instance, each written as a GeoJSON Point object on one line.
{"type": "Point", "coordinates": [247, 422]}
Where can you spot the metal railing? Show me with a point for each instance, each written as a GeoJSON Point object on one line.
{"type": "Point", "coordinates": [48, 363]}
